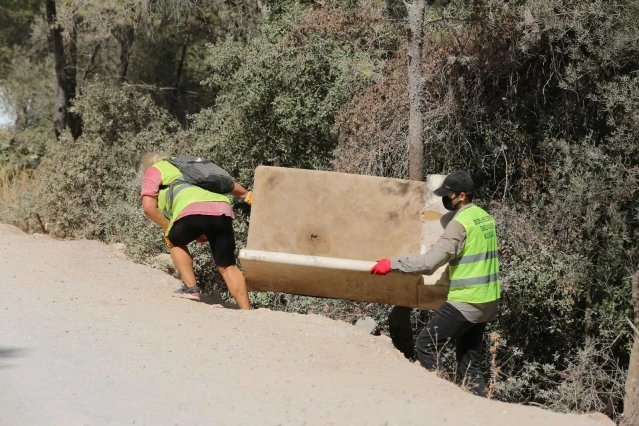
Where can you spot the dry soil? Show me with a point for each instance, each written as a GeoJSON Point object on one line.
{"type": "Point", "coordinates": [89, 338]}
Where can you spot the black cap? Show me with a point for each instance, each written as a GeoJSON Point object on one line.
{"type": "Point", "coordinates": [456, 182]}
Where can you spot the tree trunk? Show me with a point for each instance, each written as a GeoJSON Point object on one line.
{"type": "Point", "coordinates": [73, 120]}
{"type": "Point", "coordinates": [416, 90]}
{"type": "Point", "coordinates": [91, 65]}
{"type": "Point", "coordinates": [65, 71]}
{"type": "Point", "coordinates": [185, 47]}
{"type": "Point", "coordinates": [631, 400]}
{"type": "Point", "coordinates": [126, 43]}
{"type": "Point", "coordinates": [399, 325]}
{"type": "Point", "coordinates": [60, 118]}
{"type": "Point", "coordinates": [178, 104]}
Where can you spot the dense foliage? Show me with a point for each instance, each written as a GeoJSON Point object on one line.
{"type": "Point", "coordinates": [538, 99]}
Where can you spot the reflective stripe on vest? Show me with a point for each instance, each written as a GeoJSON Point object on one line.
{"type": "Point", "coordinates": [172, 192]}
{"type": "Point", "coordinates": [473, 258]}
{"type": "Point", "coordinates": [178, 194]}
{"type": "Point", "coordinates": [474, 274]}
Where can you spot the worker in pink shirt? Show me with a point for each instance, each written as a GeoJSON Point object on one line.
{"type": "Point", "coordinates": [190, 213]}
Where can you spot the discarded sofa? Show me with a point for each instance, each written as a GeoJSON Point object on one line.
{"type": "Point", "coordinates": [318, 234]}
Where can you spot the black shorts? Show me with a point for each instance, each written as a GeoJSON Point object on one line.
{"type": "Point", "coordinates": [218, 230]}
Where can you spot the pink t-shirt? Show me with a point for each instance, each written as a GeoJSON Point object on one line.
{"type": "Point", "coordinates": [151, 186]}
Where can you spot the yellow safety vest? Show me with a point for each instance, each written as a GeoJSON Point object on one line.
{"type": "Point", "coordinates": [175, 194]}
{"type": "Point", "coordinates": [474, 274]}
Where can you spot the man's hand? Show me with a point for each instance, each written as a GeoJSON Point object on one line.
{"type": "Point", "coordinates": [150, 205]}
{"type": "Point", "coordinates": [248, 198]}
{"type": "Point", "coordinates": [382, 267]}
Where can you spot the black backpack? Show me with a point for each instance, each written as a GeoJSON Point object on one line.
{"type": "Point", "coordinates": [200, 172]}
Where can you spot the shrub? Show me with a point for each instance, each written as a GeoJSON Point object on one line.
{"type": "Point", "coordinates": [94, 181]}
{"type": "Point", "coordinates": [538, 100]}
{"type": "Point", "coordinates": [279, 94]}
{"type": "Point", "coordinates": [592, 381]}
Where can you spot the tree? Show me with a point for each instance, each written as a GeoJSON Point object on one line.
{"type": "Point", "coordinates": [66, 58]}
{"type": "Point", "coordinates": [16, 18]}
{"type": "Point", "coordinates": [631, 400]}
{"type": "Point", "coordinates": [416, 84]}
{"type": "Point", "coordinates": [399, 318]}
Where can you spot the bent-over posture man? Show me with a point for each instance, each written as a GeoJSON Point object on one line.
{"type": "Point", "coordinates": [193, 214]}
{"type": "Point", "coordinates": [469, 246]}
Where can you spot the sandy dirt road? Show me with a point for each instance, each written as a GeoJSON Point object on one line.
{"type": "Point", "coordinates": [87, 338]}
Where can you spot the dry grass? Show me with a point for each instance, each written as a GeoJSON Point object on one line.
{"type": "Point", "coordinates": [495, 368]}
{"type": "Point", "coordinates": [17, 202]}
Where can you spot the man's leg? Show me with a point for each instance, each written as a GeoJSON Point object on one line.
{"type": "Point", "coordinates": [222, 241]}
{"type": "Point", "coordinates": [183, 261]}
{"type": "Point", "coordinates": [446, 324]}
{"type": "Point", "coordinates": [468, 347]}
{"type": "Point", "coordinates": [236, 284]}
{"type": "Point", "coordinates": [182, 233]}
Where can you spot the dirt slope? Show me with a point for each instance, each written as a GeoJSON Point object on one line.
{"type": "Point", "coordinates": [89, 338]}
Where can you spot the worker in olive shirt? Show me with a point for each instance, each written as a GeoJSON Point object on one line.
{"type": "Point", "coordinates": [469, 246]}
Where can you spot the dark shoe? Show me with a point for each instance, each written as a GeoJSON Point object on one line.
{"type": "Point", "coordinates": [185, 292]}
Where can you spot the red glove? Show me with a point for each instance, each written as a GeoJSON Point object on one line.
{"type": "Point", "coordinates": [382, 267]}
{"type": "Point", "coordinates": [201, 239]}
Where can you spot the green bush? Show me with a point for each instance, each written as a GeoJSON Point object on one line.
{"type": "Point", "coordinates": [279, 94]}
{"type": "Point", "coordinates": [93, 183]}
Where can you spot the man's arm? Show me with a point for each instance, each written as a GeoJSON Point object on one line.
{"type": "Point", "coordinates": [150, 189]}
{"type": "Point", "coordinates": [449, 245]}
{"type": "Point", "coordinates": [240, 192]}
{"type": "Point", "coordinates": [150, 205]}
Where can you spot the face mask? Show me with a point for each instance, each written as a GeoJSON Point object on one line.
{"type": "Point", "coordinates": [448, 203]}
